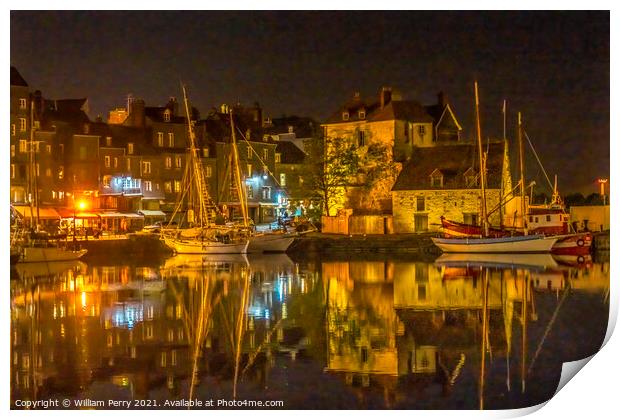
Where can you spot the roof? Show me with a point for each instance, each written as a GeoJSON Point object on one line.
{"type": "Point", "coordinates": [452, 161]}
{"type": "Point", "coordinates": [65, 110]}
{"type": "Point", "coordinates": [394, 110]}
{"type": "Point", "coordinates": [303, 127]}
{"type": "Point", "coordinates": [289, 153]}
{"type": "Point", "coordinates": [17, 79]}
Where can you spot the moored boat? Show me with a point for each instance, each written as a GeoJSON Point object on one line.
{"type": "Point", "coordinates": [516, 244]}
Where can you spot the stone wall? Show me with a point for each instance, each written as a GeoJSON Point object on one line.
{"type": "Point", "coordinates": [452, 204]}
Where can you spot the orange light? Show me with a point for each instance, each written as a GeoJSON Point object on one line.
{"type": "Point", "coordinates": [82, 205]}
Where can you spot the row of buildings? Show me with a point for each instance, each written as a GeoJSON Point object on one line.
{"type": "Point", "coordinates": [414, 163]}
{"type": "Point", "coordinates": [133, 165]}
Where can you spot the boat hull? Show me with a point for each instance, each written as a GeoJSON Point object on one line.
{"type": "Point", "coordinates": [517, 244]}
{"type": "Point", "coordinates": [270, 243]}
{"type": "Point", "coordinates": [575, 244]}
{"type": "Point", "coordinates": [43, 254]}
{"type": "Point", "coordinates": [205, 247]}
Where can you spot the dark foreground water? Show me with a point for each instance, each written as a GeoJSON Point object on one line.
{"type": "Point", "coordinates": [463, 332]}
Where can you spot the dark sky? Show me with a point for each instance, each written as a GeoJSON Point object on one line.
{"type": "Point", "coordinates": [552, 66]}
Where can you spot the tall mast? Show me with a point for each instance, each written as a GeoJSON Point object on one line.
{"type": "Point", "coordinates": [237, 171]}
{"type": "Point", "coordinates": [522, 172]}
{"type": "Point", "coordinates": [483, 204]}
{"type": "Point", "coordinates": [34, 201]}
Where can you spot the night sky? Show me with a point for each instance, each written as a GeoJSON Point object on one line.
{"type": "Point", "coordinates": [552, 66]}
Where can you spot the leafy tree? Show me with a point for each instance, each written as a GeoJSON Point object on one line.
{"type": "Point", "coordinates": [330, 164]}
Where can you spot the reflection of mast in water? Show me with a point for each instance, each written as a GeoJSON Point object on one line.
{"type": "Point", "coordinates": [485, 320]}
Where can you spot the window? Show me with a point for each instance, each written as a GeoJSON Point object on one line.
{"type": "Point", "coordinates": [48, 172]}
{"type": "Point", "coordinates": [168, 162]}
{"type": "Point", "coordinates": [130, 148]}
{"type": "Point", "coordinates": [278, 157]}
{"type": "Point", "coordinates": [37, 124]}
{"type": "Point", "coordinates": [205, 152]}
{"type": "Point", "coordinates": [301, 180]}
{"type": "Point", "coordinates": [128, 164]}
{"type": "Point", "coordinates": [177, 186]}
{"type": "Point", "coordinates": [361, 139]}
{"type": "Point", "coordinates": [283, 180]}
{"type": "Point", "coordinates": [345, 116]}
{"type": "Point", "coordinates": [62, 149]}
{"type": "Point", "coordinates": [167, 115]}
{"type": "Point", "coordinates": [249, 150]}
{"type": "Point", "coordinates": [170, 139]}
{"type": "Point", "coordinates": [470, 218]}
{"type": "Point", "coordinates": [22, 103]}
{"type": "Point", "coordinates": [23, 146]}
{"type": "Point", "coordinates": [48, 149]}
{"type": "Point", "coordinates": [148, 186]}
{"type": "Point", "coordinates": [149, 331]}
{"type": "Point", "coordinates": [420, 204]}
{"type": "Point", "coordinates": [37, 167]}
{"type": "Point", "coordinates": [179, 161]}
{"type": "Point", "coordinates": [12, 170]}
{"type": "Point", "coordinates": [406, 132]}
{"type": "Point", "coordinates": [116, 162]}
{"type": "Point", "coordinates": [12, 150]}
{"type": "Point", "coordinates": [208, 171]}
{"type": "Point", "coordinates": [106, 160]}
{"type": "Point", "coordinates": [146, 167]}
{"type": "Point", "coordinates": [548, 218]}
{"type": "Point", "coordinates": [173, 356]}
{"type": "Point", "coordinates": [61, 172]}
{"type": "Point", "coordinates": [249, 170]}
{"type": "Point", "coordinates": [361, 114]}
{"type": "Point", "coordinates": [168, 186]}
{"type": "Point", "coordinates": [420, 222]}
{"type": "Point", "coordinates": [437, 181]}
{"type": "Point", "coordinates": [160, 139]}
{"type": "Point", "coordinates": [266, 193]}
{"type": "Point", "coordinates": [13, 129]}
{"type": "Point", "coordinates": [22, 124]}
{"type": "Point", "coordinates": [107, 179]}
{"type": "Point", "coordinates": [250, 190]}
{"type": "Point", "coordinates": [265, 154]}
{"type": "Point", "coordinates": [421, 130]}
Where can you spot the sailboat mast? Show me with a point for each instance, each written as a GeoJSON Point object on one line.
{"type": "Point", "coordinates": [483, 204]}
{"type": "Point", "coordinates": [522, 172]}
{"type": "Point", "coordinates": [238, 180]}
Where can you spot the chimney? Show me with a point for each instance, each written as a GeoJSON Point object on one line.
{"type": "Point", "coordinates": [38, 104]}
{"type": "Point", "coordinates": [442, 99]}
{"type": "Point", "coordinates": [173, 106]}
{"type": "Point", "coordinates": [385, 96]}
{"type": "Point", "coordinates": [257, 114]}
{"type": "Point", "coordinates": [137, 113]}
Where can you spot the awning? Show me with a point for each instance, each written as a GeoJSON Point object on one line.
{"type": "Point", "coordinates": [117, 215]}
{"type": "Point", "coordinates": [44, 212]}
{"type": "Point", "coordinates": [152, 213]}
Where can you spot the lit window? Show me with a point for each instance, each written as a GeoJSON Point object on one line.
{"type": "Point", "coordinates": [168, 186]}
{"type": "Point", "coordinates": [12, 171]}
{"type": "Point", "coordinates": [106, 159]}
{"type": "Point", "coordinates": [13, 129]}
{"type": "Point", "coordinates": [48, 172]}
{"type": "Point", "coordinates": [283, 180]}
{"type": "Point", "coordinates": [266, 193]}
{"type": "Point", "coordinates": [149, 331]}
{"type": "Point", "coordinates": [205, 152]}
{"type": "Point", "coordinates": [249, 150]}
{"type": "Point", "coordinates": [37, 124]}
{"type": "Point", "coordinates": [116, 162]}
{"type": "Point", "coordinates": [265, 154]}
{"type": "Point", "coordinates": [177, 186]}
{"type": "Point", "coordinates": [345, 116]}
{"type": "Point", "coordinates": [278, 157]}
{"type": "Point", "coordinates": [146, 167]}
{"type": "Point", "coordinates": [107, 179]}
{"type": "Point", "coordinates": [160, 139]}
{"type": "Point", "coordinates": [421, 130]}
{"type": "Point", "coordinates": [167, 115]}
{"type": "Point", "coordinates": [37, 169]}
{"type": "Point", "coordinates": [61, 172]}
{"type": "Point", "coordinates": [148, 186]}
{"type": "Point", "coordinates": [130, 148]}
{"type": "Point", "coordinates": [22, 124]}
{"type": "Point", "coordinates": [168, 162]}
{"type": "Point", "coordinates": [12, 150]}
{"type": "Point", "coordinates": [173, 357]}
{"type": "Point", "coordinates": [249, 170]}
{"type": "Point", "coordinates": [179, 161]}
{"type": "Point", "coordinates": [163, 359]}
{"type": "Point", "coordinates": [361, 114]}
{"type": "Point", "coordinates": [48, 149]}
{"type": "Point", "coordinates": [108, 141]}
{"type": "Point", "coordinates": [128, 164]}
{"type": "Point", "coordinates": [170, 139]}
{"type": "Point", "coordinates": [23, 146]}
{"type": "Point", "coordinates": [208, 171]}
{"type": "Point", "coordinates": [250, 190]}
{"type": "Point", "coordinates": [22, 103]}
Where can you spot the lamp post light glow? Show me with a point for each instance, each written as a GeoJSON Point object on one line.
{"type": "Point", "coordinates": [602, 182]}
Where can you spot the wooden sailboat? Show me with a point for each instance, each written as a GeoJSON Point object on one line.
{"type": "Point", "coordinates": [488, 244]}
{"type": "Point", "coordinates": [201, 235]}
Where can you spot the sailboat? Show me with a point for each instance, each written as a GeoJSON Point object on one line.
{"type": "Point", "coordinates": [33, 245]}
{"type": "Point", "coordinates": [201, 235]}
{"type": "Point", "coordinates": [486, 243]}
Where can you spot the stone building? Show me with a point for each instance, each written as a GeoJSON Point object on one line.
{"type": "Point", "coordinates": [385, 131]}
{"type": "Point", "coordinates": [444, 181]}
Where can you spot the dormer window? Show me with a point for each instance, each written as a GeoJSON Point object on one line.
{"type": "Point", "coordinates": [345, 116]}
{"type": "Point", "coordinates": [471, 178]}
{"type": "Point", "coordinates": [436, 179]}
{"type": "Point", "coordinates": [361, 114]}
{"type": "Point", "coordinates": [167, 115]}
{"type": "Point", "coordinates": [291, 129]}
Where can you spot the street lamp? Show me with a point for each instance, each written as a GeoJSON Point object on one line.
{"type": "Point", "coordinates": [602, 182]}
{"type": "Point", "coordinates": [82, 205]}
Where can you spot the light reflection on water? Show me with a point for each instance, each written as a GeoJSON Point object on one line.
{"type": "Point", "coordinates": [460, 332]}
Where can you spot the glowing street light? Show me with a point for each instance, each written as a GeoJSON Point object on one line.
{"type": "Point", "coordinates": [602, 182]}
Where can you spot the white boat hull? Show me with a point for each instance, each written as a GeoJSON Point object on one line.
{"type": "Point", "coordinates": [205, 247]}
{"type": "Point", "coordinates": [270, 242]}
{"type": "Point", "coordinates": [42, 254]}
{"type": "Point", "coordinates": [517, 244]}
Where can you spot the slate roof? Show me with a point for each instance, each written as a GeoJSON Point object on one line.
{"type": "Point", "coordinates": [16, 78]}
{"type": "Point", "coordinates": [289, 153]}
{"type": "Point", "coordinates": [302, 126]}
{"type": "Point", "coordinates": [70, 111]}
{"type": "Point", "coordinates": [453, 161]}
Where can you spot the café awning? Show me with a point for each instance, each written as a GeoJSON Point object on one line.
{"type": "Point", "coordinates": [152, 213]}
{"type": "Point", "coordinates": [44, 212]}
{"type": "Point", "coordinates": [117, 215]}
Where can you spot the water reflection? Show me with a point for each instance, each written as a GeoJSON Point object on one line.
{"type": "Point", "coordinates": [459, 332]}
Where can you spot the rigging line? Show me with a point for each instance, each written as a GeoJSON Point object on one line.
{"type": "Point", "coordinates": [538, 159]}
{"type": "Point", "coordinates": [548, 329]}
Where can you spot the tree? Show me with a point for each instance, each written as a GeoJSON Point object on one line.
{"type": "Point", "coordinates": [329, 165]}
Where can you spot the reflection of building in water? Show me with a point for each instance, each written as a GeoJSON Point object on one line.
{"type": "Point", "coordinates": [133, 328]}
